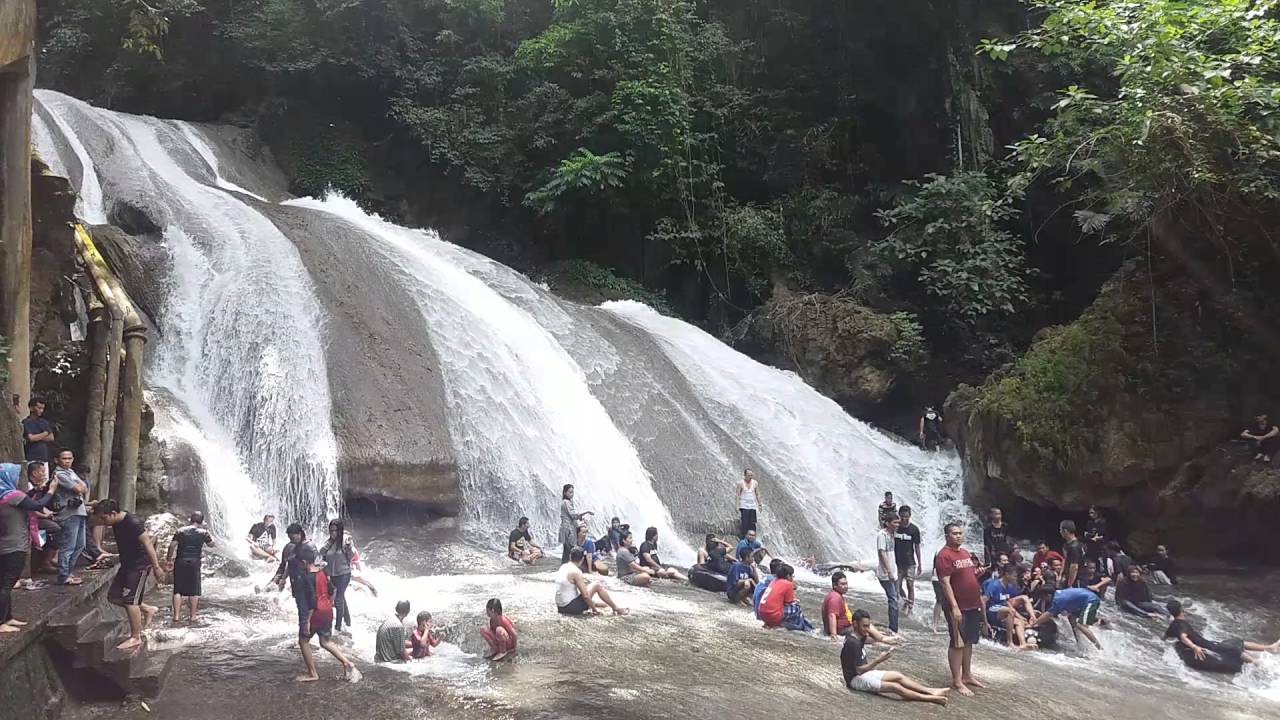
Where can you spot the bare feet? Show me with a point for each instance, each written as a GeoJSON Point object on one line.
{"type": "Point", "coordinates": [130, 644]}
{"type": "Point", "coordinates": [963, 690]}
{"type": "Point", "coordinates": [16, 623]}
{"type": "Point", "coordinates": [621, 611]}
{"type": "Point", "coordinates": [306, 678]}
{"type": "Point", "coordinates": [937, 700]}
{"type": "Point", "coordinates": [498, 657]}
{"type": "Point", "coordinates": [7, 628]}
{"type": "Point", "coordinates": [147, 614]}
{"type": "Point", "coordinates": [974, 682]}
{"type": "Point", "coordinates": [938, 691]}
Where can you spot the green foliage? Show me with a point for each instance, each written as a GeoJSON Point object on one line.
{"type": "Point", "coordinates": [910, 348]}
{"type": "Point", "coordinates": [951, 234]}
{"type": "Point", "coordinates": [149, 23]}
{"type": "Point", "coordinates": [607, 281]}
{"type": "Point", "coordinates": [1176, 109]}
{"type": "Point", "coordinates": [327, 163]}
{"type": "Point", "coordinates": [582, 173]}
{"type": "Point", "coordinates": [1051, 394]}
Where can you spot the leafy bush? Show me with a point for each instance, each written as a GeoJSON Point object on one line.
{"type": "Point", "coordinates": [910, 348]}
{"type": "Point", "coordinates": [1183, 118]}
{"type": "Point", "coordinates": [950, 234]}
{"type": "Point", "coordinates": [330, 163]}
{"type": "Point", "coordinates": [1051, 394]}
{"type": "Point", "coordinates": [583, 173]}
{"type": "Point", "coordinates": [611, 284]}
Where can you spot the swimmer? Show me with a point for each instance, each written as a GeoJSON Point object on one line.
{"type": "Point", "coordinates": [574, 596]}
{"type": "Point", "coordinates": [862, 676]}
{"type": "Point", "coordinates": [650, 560]}
{"type": "Point", "coordinates": [1080, 605]}
{"type": "Point", "coordinates": [500, 634]}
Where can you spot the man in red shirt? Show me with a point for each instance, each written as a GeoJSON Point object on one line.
{"type": "Point", "coordinates": [836, 618]}
{"type": "Point", "coordinates": [1044, 555]}
{"type": "Point", "coordinates": [778, 605]}
{"type": "Point", "coordinates": [957, 570]}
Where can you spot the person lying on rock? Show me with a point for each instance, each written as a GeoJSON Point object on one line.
{"type": "Point", "coordinates": [1229, 654]}
{"type": "Point", "coordinates": [1263, 437]}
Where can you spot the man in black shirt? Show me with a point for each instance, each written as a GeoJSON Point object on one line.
{"type": "Point", "coordinates": [137, 561]}
{"type": "Point", "coordinates": [262, 539]}
{"type": "Point", "coordinates": [188, 547]}
{"type": "Point", "coordinates": [1230, 652]}
{"type": "Point", "coordinates": [520, 544]}
{"type": "Point", "coordinates": [1095, 535]}
{"type": "Point", "coordinates": [650, 560]}
{"type": "Point", "coordinates": [1162, 568]}
{"type": "Point", "coordinates": [906, 553]}
{"type": "Point", "coordinates": [1073, 552]}
{"type": "Point", "coordinates": [37, 433]}
{"type": "Point", "coordinates": [862, 676]}
{"type": "Point", "coordinates": [1263, 437]}
{"type": "Point", "coordinates": [995, 536]}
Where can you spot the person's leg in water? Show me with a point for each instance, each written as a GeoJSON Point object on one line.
{"type": "Point", "coordinates": [597, 590]}
{"type": "Point", "coordinates": [193, 603]}
{"type": "Point", "coordinates": [1079, 627]}
{"type": "Point", "coordinates": [504, 644]}
{"type": "Point", "coordinates": [308, 661]}
{"type": "Point", "coordinates": [359, 580]}
{"type": "Point", "coordinates": [1262, 647]}
{"type": "Point", "coordinates": [177, 608]}
{"type": "Point", "coordinates": [895, 683]}
{"type": "Point", "coordinates": [340, 612]}
{"type": "Point", "coordinates": [328, 644]}
{"type": "Point", "coordinates": [967, 667]}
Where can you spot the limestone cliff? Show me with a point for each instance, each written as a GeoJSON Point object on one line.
{"type": "Point", "coordinates": [1133, 407]}
{"type": "Point", "coordinates": [848, 352]}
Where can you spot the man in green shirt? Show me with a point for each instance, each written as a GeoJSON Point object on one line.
{"type": "Point", "coordinates": [391, 644]}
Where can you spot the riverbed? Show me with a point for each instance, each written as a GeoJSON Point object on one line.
{"type": "Point", "coordinates": [683, 652]}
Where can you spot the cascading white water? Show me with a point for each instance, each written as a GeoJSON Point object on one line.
{"type": "Point", "coordinates": [650, 418]}
{"type": "Point", "coordinates": [239, 349]}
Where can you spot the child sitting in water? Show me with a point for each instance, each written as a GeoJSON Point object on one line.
{"type": "Point", "coordinates": [501, 634]}
{"type": "Point", "coordinates": [421, 640]}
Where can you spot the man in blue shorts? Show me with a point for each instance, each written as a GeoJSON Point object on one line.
{"type": "Point", "coordinates": [1080, 605]}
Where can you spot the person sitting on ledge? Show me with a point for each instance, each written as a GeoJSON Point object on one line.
{"type": "Point", "coordinates": [650, 560]}
{"type": "Point", "coordinates": [742, 578]}
{"type": "Point", "coordinates": [520, 544]}
{"type": "Point", "coordinates": [1263, 437]}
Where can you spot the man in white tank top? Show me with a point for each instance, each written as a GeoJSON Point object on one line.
{"type": "Point", "coordinates": [748, 491]}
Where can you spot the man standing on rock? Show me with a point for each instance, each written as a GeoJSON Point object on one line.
{"type": "Point", "coordinates": [906, 551]}
{"type": "Point", "coordinates": [137, 560]}
{"type": "Point", "coordinates": [183, 559]}
{"type": "Point", "coordinates": [957, 572]}
{"type": "Point", "coordinates": [1073, 552]}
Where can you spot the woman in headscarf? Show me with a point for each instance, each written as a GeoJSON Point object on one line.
{"type": "Point", "coordinates": [18, 530]}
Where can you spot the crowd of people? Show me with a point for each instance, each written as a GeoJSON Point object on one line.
{"type": "Point", "coordinates": [1002, 596]}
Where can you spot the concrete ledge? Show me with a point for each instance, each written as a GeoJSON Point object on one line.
{"type": "Point", "coordinates": [39, 607]}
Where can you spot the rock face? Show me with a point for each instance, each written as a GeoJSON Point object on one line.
{"type": "Point", "coordinates": [842, 349]}
{"type": "Point", "coordinates": [1132, 409]}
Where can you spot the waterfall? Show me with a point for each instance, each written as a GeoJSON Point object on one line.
{"type": "Point", "coordinates": [652, 419]}
{"type": "Point", "coordinates": [239, 350]}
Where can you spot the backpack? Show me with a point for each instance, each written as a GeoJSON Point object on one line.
{"type": "Point", "coordinates": [323, 615]}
